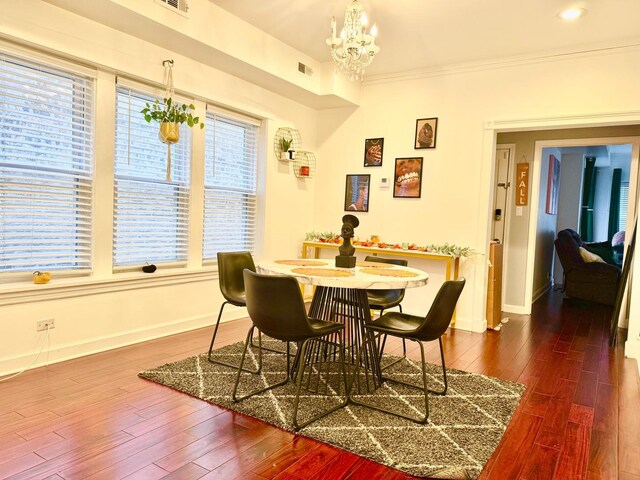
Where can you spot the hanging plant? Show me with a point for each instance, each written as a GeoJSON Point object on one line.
{"type": "Point", "coordinates": [170, 114]}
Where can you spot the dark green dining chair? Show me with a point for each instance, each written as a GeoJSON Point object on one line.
{"type": "Point", "coordinates": [418, 329]}
{"type": "Point", "coordinates": [277, 309]}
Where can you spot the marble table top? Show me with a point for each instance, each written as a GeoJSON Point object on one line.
{"type": "Point", "coordinates": [360, 279]}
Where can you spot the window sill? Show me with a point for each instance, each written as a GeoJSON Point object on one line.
{"type": "Point", "coordinates": [27, 292]}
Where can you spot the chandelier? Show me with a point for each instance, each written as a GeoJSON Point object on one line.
{"type": "Point", "coordinates": [354, 49]}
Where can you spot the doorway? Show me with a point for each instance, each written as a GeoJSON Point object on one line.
{"type": "Point", "coordinates": [592, 202]}
{"type": "Point", "coordinates": [527, 241]}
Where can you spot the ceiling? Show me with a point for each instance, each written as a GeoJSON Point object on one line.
{"type": "Point", "coordinates": [419, 34]}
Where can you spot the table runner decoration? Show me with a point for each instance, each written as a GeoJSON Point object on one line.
{"type": "Point", "coordinates": [388, 272]}
{"type": "Point", "coordinates": [323, 272]}
{"type": "Point", "coordinates": [302, 263]}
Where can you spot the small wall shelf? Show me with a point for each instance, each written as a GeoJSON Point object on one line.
{"type": "Point", "coordinates": [304, 165]}
{"type": "Point", "coordinates": [289, 134]}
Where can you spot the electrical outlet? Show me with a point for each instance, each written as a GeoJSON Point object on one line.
{"type": "Point", "coordinates": [47, 324]}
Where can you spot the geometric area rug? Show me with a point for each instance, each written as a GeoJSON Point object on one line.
{"type": "Point", "coordinates": [464, 428]}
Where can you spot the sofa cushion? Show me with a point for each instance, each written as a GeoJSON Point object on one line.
{"type": "Point", "coordinates": [589, 257]}
{"type": "Point", "coordinates": [603, 249]}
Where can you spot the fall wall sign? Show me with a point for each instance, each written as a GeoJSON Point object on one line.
{"type": "Point", "coordinates": [522, 184]}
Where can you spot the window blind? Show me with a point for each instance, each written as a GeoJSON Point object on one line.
{"type": "Point", "coordinates": [46, 157]}
{"type": "Point", "coordinates": [151, 214]}
{"type": "Point", "coordinates": [624, 206]}
{"type": "Point", "coordinates": [229, 185]}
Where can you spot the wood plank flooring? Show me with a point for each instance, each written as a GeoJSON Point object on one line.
{"type": "Point", "coordinates": [92, 418]}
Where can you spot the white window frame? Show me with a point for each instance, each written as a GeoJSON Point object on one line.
{"type": "Point", "coordinates": [80, 171]}
{"type": "Point", "coordinates": [214, 112]}
{"type": "Point", "coordinates": [186, 187]}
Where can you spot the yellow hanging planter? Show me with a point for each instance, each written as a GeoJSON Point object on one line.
{"type": "Point", "coordinates": [169, 132]}
{"type": "Point", "coordinates": [170, 114]}
{"type": "Point", "coordinates": [41, 277]}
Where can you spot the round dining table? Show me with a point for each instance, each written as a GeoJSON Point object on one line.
{"type": "Point", "coordinates": [340, 295]}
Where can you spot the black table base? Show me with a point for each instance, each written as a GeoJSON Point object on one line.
{"type": "Point", "coordinates": [350, 307]}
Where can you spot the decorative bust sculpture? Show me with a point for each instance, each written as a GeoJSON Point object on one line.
{"type": "Point", "coordinates": [346, 258]}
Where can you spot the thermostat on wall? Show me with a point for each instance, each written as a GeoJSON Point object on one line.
{"type": "Point", "coordinates": [384, 182]}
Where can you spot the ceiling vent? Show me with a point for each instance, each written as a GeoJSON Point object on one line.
{"type": "Point", "coordinates": [180, 6]}
{"type": "Point", "coordinates": [305, 70]}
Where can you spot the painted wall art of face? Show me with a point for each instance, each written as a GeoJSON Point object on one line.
{"type": "Point", "coordinates": [361, 202]}
{"type": "Point", "coordinates": [408, 177]}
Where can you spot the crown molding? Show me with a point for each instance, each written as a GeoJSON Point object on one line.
{"type": "Point", "coordinates": [499, 63]}
{"type": "Point", "coordinates": [594, 119]}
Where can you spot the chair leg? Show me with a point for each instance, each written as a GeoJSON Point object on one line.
{"type": "Point", "coordinates": [404, 349]}
{"type": "Point", "coordinates": [297, 426]}
{"type": "Point", "coordinates": [240, 369]}
{"type": "Point", "coordinates": [267, 348]}
{"type": "Point", "coordinates": [213, 339]}
{"type": "Point", "coordinates": [404, 354]}
{"type": "Point", "coordinates": [444, 371]}
{"type": "Point", "coordinates": [215, 329]}
{"type": "Point", "coordinates": [444, 374]}
{"type": "Point", "coordinates": [420, 420]}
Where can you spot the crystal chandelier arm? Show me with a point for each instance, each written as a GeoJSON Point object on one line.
{"type": "Point", "coordinates": [354, 49]}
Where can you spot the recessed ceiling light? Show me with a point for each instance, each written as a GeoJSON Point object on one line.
{"type": "Point", "coordinates": [572, 13]}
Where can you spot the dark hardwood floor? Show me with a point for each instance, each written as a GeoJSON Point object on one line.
{"type": "Point", "coordinates": [92, 417]}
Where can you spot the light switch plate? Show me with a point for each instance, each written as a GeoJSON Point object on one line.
{"type": "Point", "coordinates": [518, 211]}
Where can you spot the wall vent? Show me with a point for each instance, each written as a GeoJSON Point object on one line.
{"type": "Point", "coordinates": [305, 70]}
{"type": "Point", "coordinates": [178, 5]}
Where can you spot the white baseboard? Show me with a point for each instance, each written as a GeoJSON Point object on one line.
{"type": "Point", "coordinates": [100, 344]}
{"type": "Point", "coordinates": [517, 309]}
{"type": "Point", "coordinates": [469, 325]}
{"type": "Point", "coordinates": [632, 350]}
{"type": "Point", "coordinates": [541, 291]}
{"type": "Point", "coordinates": [521, 309]}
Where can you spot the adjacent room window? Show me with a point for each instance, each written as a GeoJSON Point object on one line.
{"type": "Point", "coordinates": [46, 156]}
{"type": "Point", "coordinates": [229, 184]}
{"type": "Point", "coordinates": [151, 214]}
{"type": "Point", "coordinates": [624, 206]}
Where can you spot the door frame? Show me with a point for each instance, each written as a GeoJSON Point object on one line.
{"type": "Point", "coordinates": [487, 178]}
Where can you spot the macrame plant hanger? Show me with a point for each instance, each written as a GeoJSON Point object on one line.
{"type": "Point", "coordinates": [173, 135]}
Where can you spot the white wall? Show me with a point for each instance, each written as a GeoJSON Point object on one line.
{"type": "Point", "coordinates": [455, 179]}
{"type": "Point", "coordinates": [545, 230]}
{"type": "Point", "coordinates": [108, 309]}
{"type": "Point", "coordinates": [569, 200]}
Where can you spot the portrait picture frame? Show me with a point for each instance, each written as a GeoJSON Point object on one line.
{"type": "Point", "coordinates": [553, 186]}
{"type": "Point", "coordinates": [426, 133]}
{"type": "Point", "coordinates": [356, 193]}
{"type": "Point", "coordinates": [407, 178]}
{"type": "Point", "coordinates": [373, 150]}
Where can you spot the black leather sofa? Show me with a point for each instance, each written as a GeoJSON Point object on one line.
{"type": "Point", "coordinates": [592, 281]}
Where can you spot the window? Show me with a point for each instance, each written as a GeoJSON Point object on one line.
{"type": "Point", "coordinates": [624, 205]}
{"type": "Point", "coordinates": [151, 213]}
{"type": "Point", "coordinates": [46, 150]}
{"type": "Point", "coordinates": [229, 184]}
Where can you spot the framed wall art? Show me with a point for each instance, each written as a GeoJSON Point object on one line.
{"type": "Point", "coordinates": [408, 177]}
{"type": "Point", "coordinates": [426, 130]}
{"type": "Point", "coordinates": [373, 152]}
{"type": "Point", "coordinates": [356, 194]}
{"type": "Point", "coordinates": [553, 184]}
